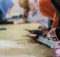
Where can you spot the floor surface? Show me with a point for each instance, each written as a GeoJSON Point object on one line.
{"type": "Point", "coordinates": [14, 43]}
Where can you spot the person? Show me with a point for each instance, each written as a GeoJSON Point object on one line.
{"type": "Point", "coordinates": [5, 7]}
{"type": "Point", "coordinates": [48, 10]}
{"type": "Point", "coordinates": [34, 16]}
{"type": "Point", "coordinates": [24, 4]}
{"type": "Point", "coordinates": [32, 12]}
{"type": "Point", "coordinates": [56, 5]}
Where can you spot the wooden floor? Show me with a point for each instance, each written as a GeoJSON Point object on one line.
{"type": "Point", "coordinates": [13, 42]}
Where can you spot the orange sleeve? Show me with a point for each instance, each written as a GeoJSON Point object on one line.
{"type": "Point", "coordinates": [55, 20]}
{"type": "Point", "coordinates": [46, 8]}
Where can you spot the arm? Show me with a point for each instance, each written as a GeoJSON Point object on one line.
{"type": "Point", "coordinates": [55, 20]}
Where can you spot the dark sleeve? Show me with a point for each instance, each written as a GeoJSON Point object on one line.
{"type": "Point", "coordinates": [38, 33]}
